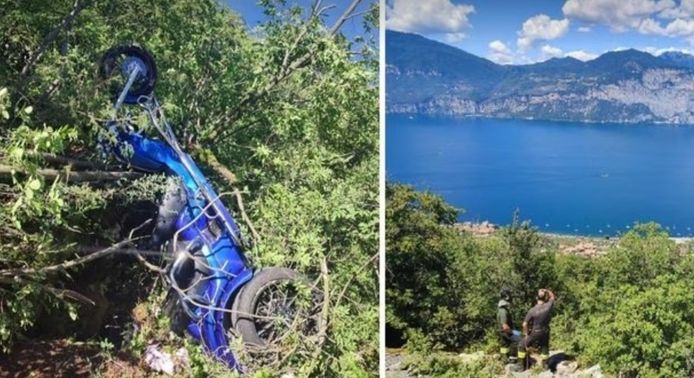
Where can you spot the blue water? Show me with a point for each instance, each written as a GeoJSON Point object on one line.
{"type": "Point", "coordinates": [574, 178]}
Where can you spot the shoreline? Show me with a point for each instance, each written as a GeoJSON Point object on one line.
{"type": "Point", "coordinates": [486, 228]}
{"type": "Point", "coordinates": [577, 121]}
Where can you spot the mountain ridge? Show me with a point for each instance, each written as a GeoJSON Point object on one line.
{"type": "Point", "coordinates": [630, 86]}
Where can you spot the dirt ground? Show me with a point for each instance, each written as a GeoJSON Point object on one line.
{"type": "Point", "coordinates": [64, 358]}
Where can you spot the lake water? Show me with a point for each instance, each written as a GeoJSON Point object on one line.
{"type": "Point", "coordinates": [574, 178]}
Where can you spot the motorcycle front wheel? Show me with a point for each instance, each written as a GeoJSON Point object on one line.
{"type": "Point", "coordinates": [274, 303]}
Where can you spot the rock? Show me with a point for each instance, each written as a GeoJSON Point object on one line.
{"type": "Point", "coordinates": [566, 368]}
{"type": "Point", "coordinates": [593, 372]}
{"type": "Point", "coordinates": [471, 357]}
{"type": "Point", "coordinates": [524, 374]}
{"type": "Point", "coordinates": [545, 374]}
{"type": "Point", "coordinates": [512, 368]}
{"type": "Point", "coordinates": [158, 360]}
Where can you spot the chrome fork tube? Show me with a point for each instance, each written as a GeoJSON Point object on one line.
{"type": "Point", "coordinates": [124, 92]}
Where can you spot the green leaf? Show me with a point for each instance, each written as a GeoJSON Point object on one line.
{"type": "Point", "coordinates": [34, 184]}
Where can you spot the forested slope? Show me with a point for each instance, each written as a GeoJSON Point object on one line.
{"type": "Point", "coordinates": [629, 310]}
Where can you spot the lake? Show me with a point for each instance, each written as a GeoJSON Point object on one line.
{"type": "Point", "coordinates": [572, 178]}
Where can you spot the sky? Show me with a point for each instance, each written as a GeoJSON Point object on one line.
{"type": "Point", "coordinates": [252, 13]}
{"type": "Point", "coordinates": [527, 31]}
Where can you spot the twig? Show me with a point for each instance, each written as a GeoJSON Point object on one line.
{"type": "Point", "coordinates": [74, 163]}
{"type": "Point", "coordinates": [283, 74]}
{"type": "Point", "coordinates": [80, 176]}
{"type": "Point", "coordinates": [67, 264]}
{"type": "Point", "coordinates": [344, 17]}
{"type": "Point", "coordinates": [244, 216]}
{"type": "Point", "coordinates": [139, 256]}
{"type": "Point", "coordinates": [323, 324]}
{"type": "Point", "coordinates": [60, 293]}
{"type": "Point", "coordinates": [77, 7]}
{"type": "Point", "coordinates": [231, 179]}
{"type": "Point", "coordinates": [323, 327]}
{"type": "Point", "coordinates": [351, 278]}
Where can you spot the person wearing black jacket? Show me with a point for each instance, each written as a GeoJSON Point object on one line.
{"type": "Point", "coordinates": [536, 325]}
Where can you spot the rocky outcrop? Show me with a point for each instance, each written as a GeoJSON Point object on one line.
{"type": "Point", "coordinates": [622, 87]}
{"type": "Point", "coordinates": [662, 96]}
{"type": "Point", "coordinates": [566, 369]}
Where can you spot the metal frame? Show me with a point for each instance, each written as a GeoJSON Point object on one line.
{"type": "Point", "coordinates": [222, 255]}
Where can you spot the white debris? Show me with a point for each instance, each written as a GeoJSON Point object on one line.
{"type": "Point", "coordinates": [158, 360]}
{"type": "Point", "coordinates": [182, 357]}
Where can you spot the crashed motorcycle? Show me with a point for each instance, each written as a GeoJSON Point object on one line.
{"type": "Point", "coordinates": [215, 293]}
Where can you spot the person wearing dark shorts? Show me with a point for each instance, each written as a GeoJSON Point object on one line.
{"type": "Point", "coordinates": [536, 326]}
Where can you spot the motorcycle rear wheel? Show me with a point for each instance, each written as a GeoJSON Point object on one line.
{"type": "Point", "coordinates": [273, 303]}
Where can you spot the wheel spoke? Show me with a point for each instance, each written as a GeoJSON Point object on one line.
{"type": "Point", "coordinates": [281, 307]}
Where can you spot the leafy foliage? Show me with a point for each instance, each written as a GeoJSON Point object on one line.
{"type": "Point", "coordinates": [285, 106]}
{"type": "Point", "coordinates": [628, 310]}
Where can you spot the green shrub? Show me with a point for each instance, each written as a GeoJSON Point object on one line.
{"type": "Point", "coordinates": [629, 310]}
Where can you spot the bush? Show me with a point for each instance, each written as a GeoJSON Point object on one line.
{"type": "Point", "coordinates": [445, 283]}
{"type": "Point", "coordinates": [629, 310]}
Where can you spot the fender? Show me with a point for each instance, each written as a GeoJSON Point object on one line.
{"type": "Point", "coordinates": [211, 327]}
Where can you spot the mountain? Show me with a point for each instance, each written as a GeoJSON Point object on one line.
{"type": "Point", "coordinates": [420, 59]}
{"type": "Point", "coordinates": [429, 77]}
{"type": "Point", "coordinates": [679, 58]}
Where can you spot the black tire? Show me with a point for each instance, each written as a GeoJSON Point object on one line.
{"type": "Point", "coordinates": [246, 304]}
{"type": "Point", "coordinates": [109, 64]}
{"type": "Point", "coordinates": [178, 320]}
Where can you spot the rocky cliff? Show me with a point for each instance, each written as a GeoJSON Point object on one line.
{"type": "Point", "coordinates": [427, 77]}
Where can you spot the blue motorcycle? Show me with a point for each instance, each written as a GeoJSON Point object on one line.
{"type": "Point", "coordinates": [215, 293]}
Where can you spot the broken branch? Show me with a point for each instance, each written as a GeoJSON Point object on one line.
{"type": "Point", "coordinates": [70, 176]}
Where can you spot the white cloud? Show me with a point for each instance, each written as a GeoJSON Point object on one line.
{"type": "Point", "coordinates": [650, 26]}
{"type": "Point", "coordinates": [581, 55]}
{"type": "Point", "coordinates": [685, 10]}
{"type": "Point", "coordinates": [431, 17]}
{"type": "Point", "coordinates": [680, 27]}
{"type": "Point", "coordinates": [541, 27]}
{"type": "Point", "coordinates": [500, 53]}
{"type": "Point", "coordinates": [620, 15]}
{"type": "Point", "coordinates": [584, 29]}
{"type": "Point", "coordinates": [453, 38]}
{"type": "Point", "coordinates": [659, 51]}
{"type": "Point", "coordinates": [549, 52]}
{"type": "Point", "coordinates": [676, 28]}
{"type": "Point", "coordinates": [666, 18]}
